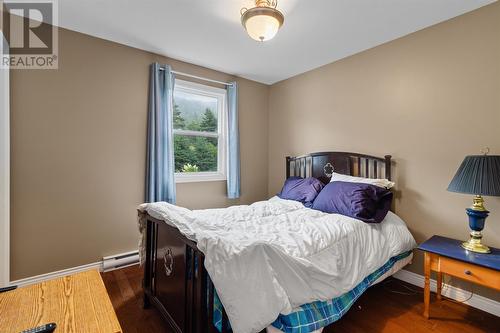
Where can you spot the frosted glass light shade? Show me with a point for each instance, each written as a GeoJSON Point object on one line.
{"type": "Point", "coordinates": [262, 28]}
{"type": "Point", "coordinates": [262, 23]}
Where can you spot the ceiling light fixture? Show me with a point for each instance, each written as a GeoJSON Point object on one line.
{"type": "Point", "coordinates": [263, 21]}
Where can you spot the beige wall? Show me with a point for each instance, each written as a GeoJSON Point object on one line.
{"type": "Point", "coordinates": [78, 136]}
{"type": "Point", "coordinates": [78, 153]}
{"type": "Point", "coordinates": [428, 99]}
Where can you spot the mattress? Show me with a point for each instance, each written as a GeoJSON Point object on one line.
{"type": "Point", "coordinates": [313, 317]}
{"type": "Point", "coordinates": [287, 254]}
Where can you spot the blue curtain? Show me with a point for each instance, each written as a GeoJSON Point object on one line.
{"type": "Point", "coordinates": [233, 149]}
{"type": "Point", "coordinates": [160, 182]}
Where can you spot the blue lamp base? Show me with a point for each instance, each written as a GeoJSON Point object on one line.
{"type": "Point", "coordinates": [477, 219]}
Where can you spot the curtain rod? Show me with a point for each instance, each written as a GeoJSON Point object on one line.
{"type": "Point", "coordinates": [199, 77]}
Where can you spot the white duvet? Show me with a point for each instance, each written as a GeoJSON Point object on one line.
{"type": "Point", "coordinates": [273, 256]}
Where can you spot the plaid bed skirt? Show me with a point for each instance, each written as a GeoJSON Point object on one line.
{"type": "Point", "coordinates": [313, 316]}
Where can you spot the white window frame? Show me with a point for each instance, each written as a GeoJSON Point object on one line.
{"type": "Point", "coordinates": [4, 170]}
{"type": "Point", "coordinates": [221, 96]}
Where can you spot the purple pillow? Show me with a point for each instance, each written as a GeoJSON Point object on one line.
{"type": "Point", "coordinates": [365, 202]}
{"type": "Point", "coordinates": [301, 189]}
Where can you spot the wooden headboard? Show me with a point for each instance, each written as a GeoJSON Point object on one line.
{"type": "Point", "coordinates": [321, 165]}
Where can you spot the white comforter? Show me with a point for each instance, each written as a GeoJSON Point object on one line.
{"type": "Point", "coordinates": [273, 256]}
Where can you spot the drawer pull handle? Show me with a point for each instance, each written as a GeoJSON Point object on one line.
{"type": "Point", "coordinates": [468, 272]}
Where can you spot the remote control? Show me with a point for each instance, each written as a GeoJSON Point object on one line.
{"type": "Point", "coordinates": [2, 290]}
{"type": "Point", "coordinates": [47, 328]}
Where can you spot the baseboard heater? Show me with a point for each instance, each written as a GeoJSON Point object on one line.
{"type": "Point", "coordinates": [120, 260]}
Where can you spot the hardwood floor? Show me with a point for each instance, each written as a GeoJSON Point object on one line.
{"type": "Point", "coordinates": [379, 310]}
{"type": "Point", "coordinates": [125, 290]}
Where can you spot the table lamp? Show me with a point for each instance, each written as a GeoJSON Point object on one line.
{"type": "Point", "coordinates": [478, 175]}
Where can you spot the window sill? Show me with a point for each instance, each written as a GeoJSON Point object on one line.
{"type": "Point", "coordinates": [199, 177]}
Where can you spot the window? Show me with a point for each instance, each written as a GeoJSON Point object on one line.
{"type": "Point", "coordinates": [199, 132]}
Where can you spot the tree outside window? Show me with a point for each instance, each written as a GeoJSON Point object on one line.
{"type": "Point", "coordinates": [198, 140]}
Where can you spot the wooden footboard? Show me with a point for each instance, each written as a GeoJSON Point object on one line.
{"type": "Point", "coordinates": [175, 280]}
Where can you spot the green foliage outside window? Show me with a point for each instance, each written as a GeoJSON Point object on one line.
{"type": "Point", "coordinates": [190, 168]}
{"type": "Point", "coordinates": [195, 153]}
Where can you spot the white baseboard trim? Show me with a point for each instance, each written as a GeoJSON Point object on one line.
{"type": "Point", "coordinates": [476, 301]}
{"type": "Point", "coordinates": [53, 275]}
{"type": "Point", "coordinates": [69, 271]}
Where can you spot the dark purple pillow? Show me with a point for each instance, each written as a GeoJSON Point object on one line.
{"type": "Point", "coordinates": [301, 189]}
{"type": "Point", "coordinates": [365, 202]}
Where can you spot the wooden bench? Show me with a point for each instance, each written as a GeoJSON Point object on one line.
{"type": "Point", "coordinates": [76, 303]}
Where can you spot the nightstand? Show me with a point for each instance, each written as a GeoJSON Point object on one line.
{"type": "Point", "coordinates": [446, 256]}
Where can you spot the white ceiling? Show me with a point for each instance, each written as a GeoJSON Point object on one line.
{"type": "Point", "coordinates": [209, 32]}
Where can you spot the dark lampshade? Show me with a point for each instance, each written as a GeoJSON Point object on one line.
{"type": "Point", "coordinates": [478, 175]}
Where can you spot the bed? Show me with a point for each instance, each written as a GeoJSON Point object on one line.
{"type": "Point", "coordinates": [272, 264]}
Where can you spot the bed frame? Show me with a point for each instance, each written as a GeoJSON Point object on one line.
{"type": "Point", "coordinates": [175, 279]}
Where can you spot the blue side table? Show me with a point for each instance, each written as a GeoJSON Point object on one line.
{"type": "Point", "coordinates": [446, 256]}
